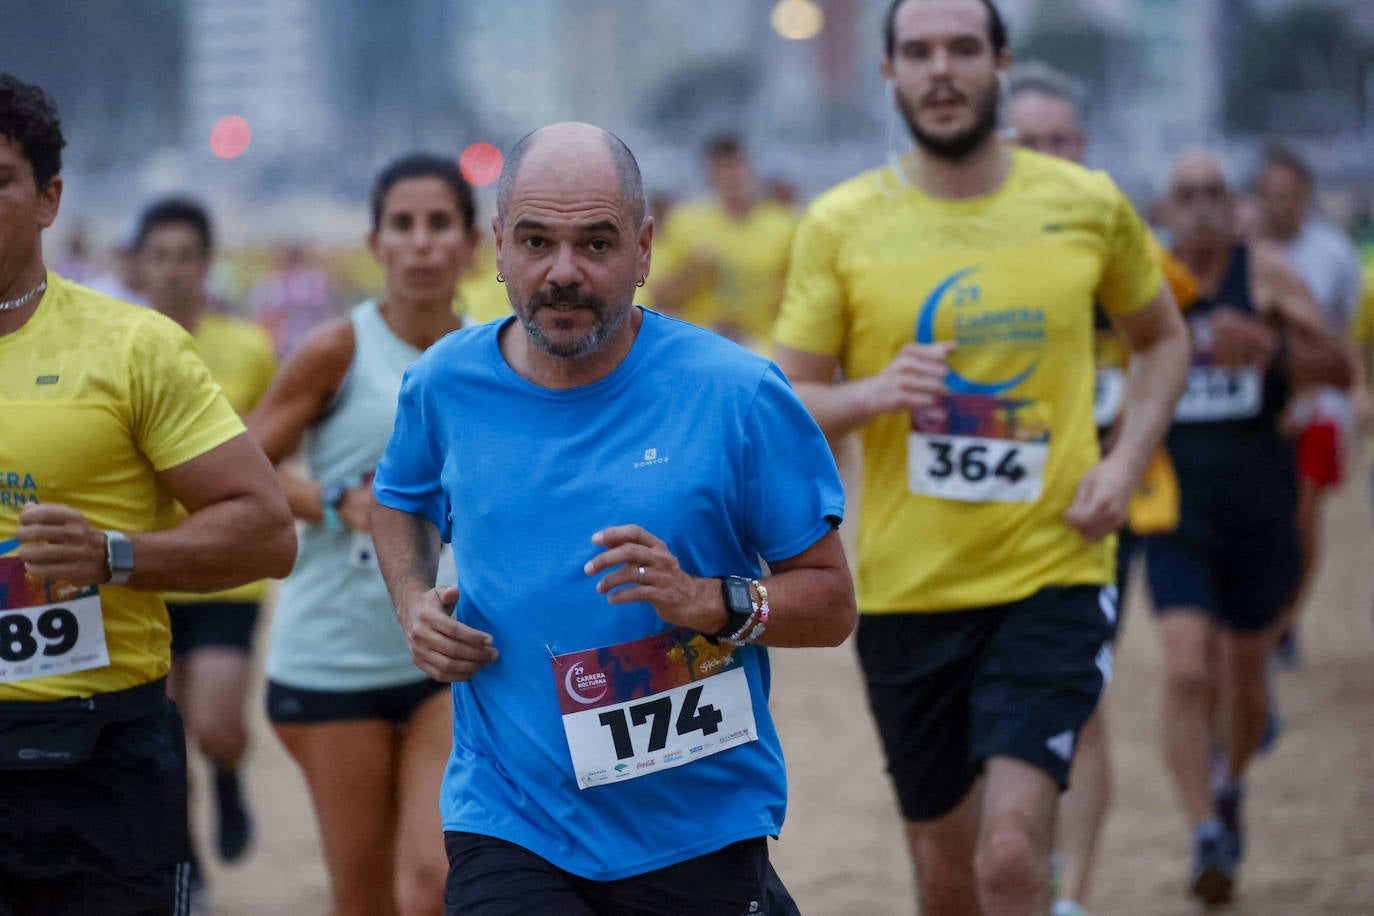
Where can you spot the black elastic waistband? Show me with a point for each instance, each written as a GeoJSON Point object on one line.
{"type": "Point", "coordinates": [115, 706]}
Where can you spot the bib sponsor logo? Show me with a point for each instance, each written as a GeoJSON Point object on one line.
{"type": "Point", "coordinates": [580, 682]}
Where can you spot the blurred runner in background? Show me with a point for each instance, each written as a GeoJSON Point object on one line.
{"type": "Point", "coordinates": [720, 261]}
{"type": "Point", "coordinates": [1222, 577]}
{"type": "Point", "coordinates": [212, 634]}
{"type": "Point", "coordinates": [1329, 264]}
{"type": "Point", "coordinates": [369, 729]}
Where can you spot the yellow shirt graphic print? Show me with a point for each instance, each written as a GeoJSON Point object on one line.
{"type": "Point", "coordinates": [963, 504]}
{"type": "Point", "coordinates": [981, 443]}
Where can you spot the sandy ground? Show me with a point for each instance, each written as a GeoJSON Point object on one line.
{"type": "Point", "coordinates": [1311, 808]}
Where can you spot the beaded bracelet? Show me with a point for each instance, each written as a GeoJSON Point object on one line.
{"type": "Point", "coordinates": [757, 623]}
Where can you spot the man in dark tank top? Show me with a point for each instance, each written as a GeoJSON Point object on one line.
{"type": "Point", "coordinates": [1220, 580]}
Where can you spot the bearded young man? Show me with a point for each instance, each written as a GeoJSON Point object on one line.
{"type": "Point", "coordinates": [954, 294]}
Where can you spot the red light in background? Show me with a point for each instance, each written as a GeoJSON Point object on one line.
{"type": "Point", "coordinates": [230, 136]}
{"type": "Point", "coordinates": [481, 163]}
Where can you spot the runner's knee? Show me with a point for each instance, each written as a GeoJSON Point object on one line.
{"type": "Point", "coordinates": [222, 741]}
{"type": "Point", "coordinates": [420, 885]}
{"type": "Point", "coordinates": [1008, 862]}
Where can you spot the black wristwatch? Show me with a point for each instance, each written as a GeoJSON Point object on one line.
{"type": "Point", "coordinates": [739, 606]}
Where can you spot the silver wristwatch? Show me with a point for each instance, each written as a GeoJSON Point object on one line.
{"type": "Point", "coordinates": [119, 557]}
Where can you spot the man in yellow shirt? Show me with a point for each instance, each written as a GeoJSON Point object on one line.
{"type": "Point", "coordinates": [721, 260]}
{"type": "Point", "coordinates": [955, 292]}
{"type": "Point", "coordinates": [212, 634]}
{"type": "Point", "coordinates": [110, 419]}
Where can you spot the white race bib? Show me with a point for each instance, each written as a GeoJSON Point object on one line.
{"type": "Point", "coordinates": [47, 629]}
{"type": "Point", "coordinates": [1217, 393]}
{"type": "Point", "coordinates": [1109, 390]}
{"type": "Point", "coordinates": [974, 469]}
{"type": "Point", "coordinates": [651, 704]}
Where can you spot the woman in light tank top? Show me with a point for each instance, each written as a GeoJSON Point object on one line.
{"type": "Point", "coordinates": [369, 730]}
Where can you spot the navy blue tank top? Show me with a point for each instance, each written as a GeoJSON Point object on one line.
{"type": "Point", "coordinates": [1225, 440]}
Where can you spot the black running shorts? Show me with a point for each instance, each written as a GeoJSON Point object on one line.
{"type": "Point", "coordinates": [288, 705]}
{"type": "Point", "coordinates": [212, 625]}
{"type": "Point", "coordinates": [950, 690]}
{"type": "Point", "coordinates": [104, 837]}
{"type": "Point", "coordinates": [491, 877]}
{"type": "Point", "coordinates": [1242, 579]}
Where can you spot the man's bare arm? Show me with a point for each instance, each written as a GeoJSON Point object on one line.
{"type": "Point", "coordinates": [810, 595]}
{"type": "Point", "coordinates": [1158, 371]}
{"type": "Point", "coordinates": [1315, 356]}
{"type": "Point", "coordinates": [408, 552]}
{"type": "Point", "coordinates": [914, 378]}
{"type": "Point", "coordinates": [238, 529]}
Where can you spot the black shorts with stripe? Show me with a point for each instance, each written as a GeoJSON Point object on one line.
{"type": "Point", "coordinates": [106, 836]}
{"type": "Point", "coordinates": [951, 690]}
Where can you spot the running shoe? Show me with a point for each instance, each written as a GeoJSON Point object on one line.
{"type": "Point", "coordinates": [235, 826]}
{"type": "Point", "coordinates": [1287, 654]}
{"type": "Point", "coordinates": [1215, 857]}
{"type": "Point", "coordinates": [1227, 803]}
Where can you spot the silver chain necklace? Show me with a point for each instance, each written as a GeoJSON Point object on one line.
{"type": "Point", "coordinates": [24, 299]}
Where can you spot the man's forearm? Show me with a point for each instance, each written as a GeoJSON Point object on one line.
{"type": "Point", "coordinates": [221, 546]}
{"type": "Point", "coordinates": [809, 607]}
{"type": "Point", "coordinates": [838, 408]}
{"type": "Point", "coordinates": [1156, 380]}
{"type": "Point", "coordinates": [407, 551]}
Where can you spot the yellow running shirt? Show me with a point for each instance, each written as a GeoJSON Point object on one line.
{"type": "Point", "coordinates": [96, 397]}
{"type": "Point", "coordinates": [242, 358]}
{"type": "Point", "coordinates": [1362, 327]}
{"type": "Point", "coordinates": [963, 503]}
{"type": "Point", "coordinates": [752, 260]}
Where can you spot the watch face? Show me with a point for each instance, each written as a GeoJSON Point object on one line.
{"type": "Point", "coordinates": [738, 590]}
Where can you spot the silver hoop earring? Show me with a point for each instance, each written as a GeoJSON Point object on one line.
{"type": "Point", "coordinates": [642, 281]}
{"type": "Point", "coordinates": [500, 277]}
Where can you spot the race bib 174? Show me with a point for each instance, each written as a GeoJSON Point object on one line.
{"type": "Point", "coordinates": [47, 627]}
{"type": "Point", "coordinates": [973, 448]}
{"type": "Point", "coordinates": [651, 704]}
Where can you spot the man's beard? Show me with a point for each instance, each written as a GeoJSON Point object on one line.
{"type": "Point", "coordinates": [608, 321]}
{"type": "Point", "coordinates": [957, 147]}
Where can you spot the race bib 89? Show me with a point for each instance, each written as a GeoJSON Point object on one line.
{"type": "Point", "coordinates": [47, 628]}
{"type": "Point", "coordinates": [663, 701]}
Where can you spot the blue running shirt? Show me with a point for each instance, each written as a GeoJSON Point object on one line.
{"type": "Point", "coordinates": [697, 440]}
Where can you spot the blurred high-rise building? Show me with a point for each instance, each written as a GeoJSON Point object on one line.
{"type": "Point", "coordinates": [264, 61]}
